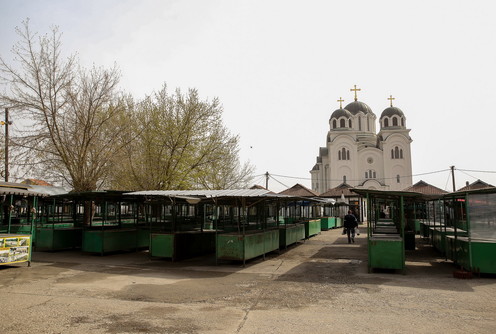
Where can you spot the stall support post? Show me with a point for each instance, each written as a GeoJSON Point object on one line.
{"type": "Point", "coordinates": [469, 233]}
{"type": "Point", "coordinates": [10, 212]}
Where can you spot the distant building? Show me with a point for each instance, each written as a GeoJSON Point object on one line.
{"type": "Point", "coordinates": [356, 155]}
{"type": "Point", "coordinates": [476, 185]}
{"type": "Point", "coordinates": [299, 190]}
{"type": "Point", "coordinates": [36, 182]}
{"type": "Point", "coordinates": [426, 189]}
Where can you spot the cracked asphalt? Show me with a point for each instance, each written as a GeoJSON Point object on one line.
{"type": "Point", "coordinates": [318, 286]}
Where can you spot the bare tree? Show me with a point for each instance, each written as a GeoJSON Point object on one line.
{"type": "Point", "coordinates": [181, 144]}
{"type": "Point", "coordinates": [73, 113]}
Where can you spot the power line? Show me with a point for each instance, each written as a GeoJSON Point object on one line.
{"type": "Point", "coordinates": [476, 171]}
{"type": "Point", "coordinates": [277, 181]}
{"type": "Point", "coordinates": [386, 178]}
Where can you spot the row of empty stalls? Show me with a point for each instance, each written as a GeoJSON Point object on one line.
{"type": "Point", "coordinates": [233, 224]}
{"type": "Point", "coordinates": [237, 225]}
{"type": "Point", "coordinates": [462, 227]}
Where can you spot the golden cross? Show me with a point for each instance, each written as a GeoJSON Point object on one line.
{"type": "Point", "coordinates": [355, 90]}
{"type": "Point", "coordinates": [340, 102]}
{"type": "Point", "coordinates": [391, 98]}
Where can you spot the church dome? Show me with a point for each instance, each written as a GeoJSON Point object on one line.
{"type": "Point", "coordinates": [356, 106]}
{"type": "Point", "coordinates": [392, 117]}
{"type": "Point", "coordinates": [340, 113]}
{"type": "Point", "coordinates": [391, 111]}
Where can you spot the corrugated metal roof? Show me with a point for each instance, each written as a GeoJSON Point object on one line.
{"type": "Point", "coordinates": [48, 190]}
{"type": "Point", "coordinates": [204, 193]}
{"type": "Point", "coordinates": [18, 191]}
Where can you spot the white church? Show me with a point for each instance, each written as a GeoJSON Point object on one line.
{"type": "Point", "coordinates": [356, 155]}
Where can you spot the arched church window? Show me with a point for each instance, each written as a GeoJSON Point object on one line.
{"type": "Point", "coordinates": [344, 178]}
{"type": "Point", "coordinates": [396, 152]}
{"type": "Point", "coordinates": [374, 175]}
{"type": "Point", "coordinates": [343, 153]}
{"type": "Point", "coordinates": [334, 124]}
{"type": "Point", "coordinates": [347, 155]}
{"type": "Point", "coordinates": [349, 124]}
{"type": "Point", "coordinates": [359, 124]}
{"type": "Point", "coordinates": [342, 123]}
{"type": "Point", "coordinates": [366, 175]}
{"type": "Point", "coordinates": [386, 122]}
{"type": "Point", "coordinates": [398, 178]}
{"type": "Point", "coordinates": [402, 121]}
{"type": "Point", "coordinates": [395, 121]}
{"type": "Point", "coordinates": [339, 155]}
{"type": "Point", "coordinates": [401, 153]}
{"type": "Point", "coordinates": [392, 154]}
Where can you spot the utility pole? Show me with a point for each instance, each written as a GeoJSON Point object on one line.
{"type": "Point", "coordinates": [6, 123]}
{"type": "Point", "coordinates": [453, 177]}
{"type": "Point", "coordinates": [267, 180]}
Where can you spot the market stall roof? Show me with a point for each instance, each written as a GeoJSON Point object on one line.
{"type": "Point", "coordinates": [48, 190]}
{"type": "Point", "coordinates": [204, 193]}
{"type": "Point", "coordinates": [462, 193]}
{"type": "Point", "coordinates": [220, 195]}
{"type": "Point", "coordinates": [387, 193]}
{"type": "Point", "coordinates": [10, 188]}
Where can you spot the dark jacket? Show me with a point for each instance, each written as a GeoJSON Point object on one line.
{"type": "Point", "coordinates": [350, 221]}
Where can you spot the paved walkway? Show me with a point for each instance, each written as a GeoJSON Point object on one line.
{"type": "Point", "coordinates": [319, 286]}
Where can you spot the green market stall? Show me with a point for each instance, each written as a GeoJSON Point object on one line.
{"type": "Point", "coordinates": [255, 229]}
{"type": "Point", "coordinates": [99, 222]}
{"type": "Point", "coordinates": [386, 235]}
{"type": "Point", "coordinates": [180, 226]}
{"type": "Point", "coordinates": [471, 219]}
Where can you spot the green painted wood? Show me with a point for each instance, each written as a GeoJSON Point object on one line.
{"type": "Point", "coordinates": [143, 237]}
{"type": "Point", "coordinates": [49, 239]}
{"type": "Point", "coordinates": [162, 245]}
{"type": "Point", "coordinates": [418, 229]}
{"type": "Point", "coordinates": [24, 229]}
{"type": "Point", "coordinates": [290, 234]}
{"type": "Point", "coordinates": [239, 247]}
{"type": "Point", "coordinates": [339, 222]}
{"type": "Point", "coordinates": [386, 252]}
{"type": "Point", "coordinates": [326, 223]}
{"type": "Point", "coordinates": [98, 241]}
{"type": "Point", "coordinates": [482, 253]}
{"type": "Point", "coordinates": [312, 227]}
{"type": "Point", "coordinates": [289, 220]}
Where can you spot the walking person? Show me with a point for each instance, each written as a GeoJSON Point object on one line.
{"type": "Point", "coordinates": [350, 223]}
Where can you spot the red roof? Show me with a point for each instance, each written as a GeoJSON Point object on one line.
{"type": "Point", "coordinates": [299, 190]}
{"type": "Point", "coordinates": [342, 189]}
{"type": "Point", "coordinates": [36, 182]}
{"type": "Point", "coordinates": [425, 188]}
{"type": "Point", "coordinates": [476, 185]}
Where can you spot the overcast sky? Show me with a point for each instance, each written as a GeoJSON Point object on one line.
{"type": "Point", "coordinates": [278, 68]}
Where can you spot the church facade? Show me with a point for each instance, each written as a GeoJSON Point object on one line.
{"type": "Point", "coordinates": [357, 155]}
